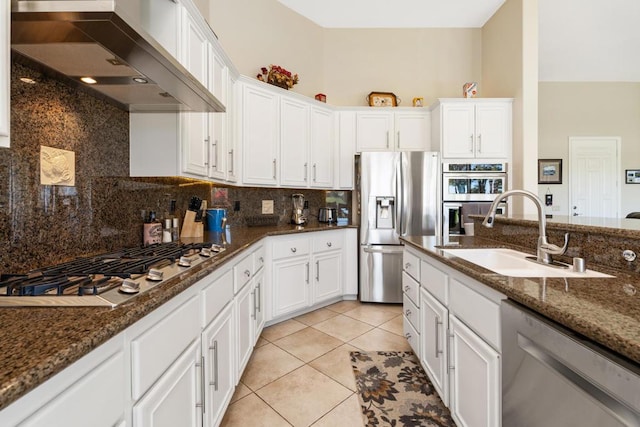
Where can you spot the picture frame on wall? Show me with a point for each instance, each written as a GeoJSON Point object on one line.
{"type": "Point", "coordinates": [549, 171]}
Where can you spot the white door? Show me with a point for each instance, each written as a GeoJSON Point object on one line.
{"type": "Point", "coordinates": [374, 131]}
{"type": "Point", "coordinates": [294, 143]}
{"type": "Point", "coordinates": [244, 327]}
{"type": "Point", "coordinates": [258, 305]}
{"type": "Point", "coordinates": [174, 400]}
{"type": "Point", "coordinates": [322, 132]}
{"type": "Point", "coordinates": [327, 276]}
{"type": "Point", "coordinates": [290, 284]}
{"type": "Point", "coordinates": [474, 378]}
{"type": "Point", "coordinates": [458, 127]}
{"type": "Point", "coordinates": [594, 168]}
{"type": "Point", "coordinates": [434, 354]}
{"type": "Point", "coordinates": [493, 130]}
{"type": "Point", "coordinates": [219, 353]}
{"type": "Point", "coordinates": [413, 131]}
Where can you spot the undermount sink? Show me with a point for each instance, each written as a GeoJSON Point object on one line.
{"type": "Point", "coordinates": [508, 262]}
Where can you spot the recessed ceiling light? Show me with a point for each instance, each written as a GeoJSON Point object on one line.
{"type": "Point", "coordinates": [88, 80]}
{"type": "Point", "coordinates": [27, 80]}
{"type": "Point", "coordinates": [140, 80]}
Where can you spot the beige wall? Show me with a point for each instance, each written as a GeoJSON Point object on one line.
{"type": "Point", "coordinates": [509, 69]}
{"type": "Point", "coordinates": [347, 64]}
{"type": "Point", "coordinates": [590, 109]}
{"type": "Point", "coordinates": [256, 33]}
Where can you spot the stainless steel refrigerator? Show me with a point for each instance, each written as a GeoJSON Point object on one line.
{"type": "Point", "coordinates": [398, 196]}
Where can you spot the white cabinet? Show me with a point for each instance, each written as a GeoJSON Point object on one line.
{"type": "Point", "coordinates": [474, 378]}
{"type": "Point", "coordinates": [309, 269]}
{"type": "Point", "coordinates": [321, 148]}
{"type": "Point", "coordinates": [258, 291]}
{"type": "Point", "coordinates": [473, 128]}
{"type": "Point", "coordinates": [218, 121]}
{"type": "Point", "coordinates": [218, 349]}
{"type": "Point", "coordinates": [233, 172]}
{"type": "Point", "coordinates": [393, 131]}
{"type": "Point", "coordinates": [459, 337]}
{"type": "Point", "coordinates": [5, 77]}
{"type": "Point", "coordinates": [434, 321]}
{"type": "Point", "coordinates": [176, 398]}
{"type": "Point", "coordinates": [259, 127]}
{"type": "Point", "coordinates": [244, 322]}
{"type": "Point", "coordinates": [294, 140]}
{"type": "Point", "coordinates": [345, 150]}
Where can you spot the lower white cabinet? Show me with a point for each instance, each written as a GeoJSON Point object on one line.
{"type": "Point", "coordinates": [474, 378]}
{"type": "Point", "coordinates": [434, 321]}
{"type": "Point", "coordinates": [218, 350]}
{"type": "Point", "coordinates": [459, 346]}
{"type": "Point", "coordinates": [307, 270]}
{"type": "Point", "coordinates": [244, 320]}
{"type": "Point", "coordinates": [175, 400]}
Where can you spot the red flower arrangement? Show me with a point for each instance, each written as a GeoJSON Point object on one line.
{"type": "Point", "coordinates": [278, 76]}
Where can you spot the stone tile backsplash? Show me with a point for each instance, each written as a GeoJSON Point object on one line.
{"type": "Point", "coordinates": [45, 224]}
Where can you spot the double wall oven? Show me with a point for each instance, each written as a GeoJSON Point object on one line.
{"type": "Point", "coordinates": [469, 189]}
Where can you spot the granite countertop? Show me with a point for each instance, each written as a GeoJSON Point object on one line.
{"type": "Point", "coordinates": [38, 342]}
{"type": "Point", "coordinates": [606, 311]}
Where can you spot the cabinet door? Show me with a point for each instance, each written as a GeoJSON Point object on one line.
{"type": "Point", "coordinates": [290, 285]}
{"type": "Point", "coordinates": [374, 131]}
{"type": "Point", "coordinates": [175, 400]}
{"type": "Point", "coordinates": [433, 334]}
{"type": "Point", "coordinates": [458, 130]}
{"type": "Point", "coordinates": [4, 73]}
{"type": "Point", "coordinates": [232, 121]}
{"type": "Point", "coordinates": [327, 276]}
{"type": "Point", "coordinates": [346, 149]}
{"type": "Point", "coordinates": [474, 378]}
{"type": "Point", "coordinates": [493, 130]}
{"type": "Point", "coordinates": [194, 49]}
{"type": "Point", "coordinates": [244, 327]}
{"type": "Point", "coordinates": [294, 143]}
{"type": "Point", "coordinates": [258, 305]}
{"type": "Point", "coordinates": [413, 131]}
{"type": "Point", "coordinates": [218, 139]}
{"type": "Point", "coordinates": [194, 135]}
{"type": "Point", "coordinates": [322, 141]}
{"type": "Point", "coordinates": [218, 347]}
{"type": "Point", "coordinates": [259, 136]}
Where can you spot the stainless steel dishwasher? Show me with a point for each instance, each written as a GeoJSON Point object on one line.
{"type": "Point", "coordinates": [554, 377]}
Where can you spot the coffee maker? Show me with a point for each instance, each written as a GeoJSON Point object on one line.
{"type": "Point", "coordinates": [298, 216]}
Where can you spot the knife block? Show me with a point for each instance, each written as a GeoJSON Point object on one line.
{"type": "Point", "coordinates": [191, 228]}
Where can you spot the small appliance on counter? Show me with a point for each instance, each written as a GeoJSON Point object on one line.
{"type": "Point", "coordinates": [216, 219]}
{"type": "Point", "coordinates": [297, 212]}
{"type": "Point", "coordinates": [327, 215]}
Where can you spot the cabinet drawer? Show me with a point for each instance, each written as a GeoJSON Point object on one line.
{"type": "Point", "coordinates": [411, 334]}
{"type": "Point", "coordinates": [327, 240]}
{"type": "Point", "coordinates": [435, 281]}
{"type": "Point", "coordinates": [258, 259]}
{"type": "Point", "coordinates": [411, 288]}
{"type": "Point", "coordinates": [290, 247]}
{"type": "Point", "coordinates": [216, 296]}
{"type": "Point", "coordinates": [411, 264]}
{"type": "Point", "coordinates": [242, 272]}
{"type": "Point", "coordinates": [476, 311]}
{"type": "Point", "coordinates": [411, 312]}
{"type": "Point", "coordinates": [153, 351]}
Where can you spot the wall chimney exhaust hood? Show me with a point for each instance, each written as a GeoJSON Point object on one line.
{"type": "Point", "coordinates": [71, 39]}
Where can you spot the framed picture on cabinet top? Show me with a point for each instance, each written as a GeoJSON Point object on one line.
{"type": "Point", "coordinates": [549, 171]}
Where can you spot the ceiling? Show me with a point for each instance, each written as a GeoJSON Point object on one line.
{"type": "Point", "coordinates": [579, 40]}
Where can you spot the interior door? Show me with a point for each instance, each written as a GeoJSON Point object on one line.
{"type": "Point", "coordinates": [594, 168]}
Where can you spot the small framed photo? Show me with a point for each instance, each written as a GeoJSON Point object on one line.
{"type": "Point", "coordinates": [549, 171]}
{"type": "Point", "coordinates": [418, 102]}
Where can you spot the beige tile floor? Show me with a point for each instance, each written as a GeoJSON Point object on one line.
{"type": "Point", "coordinates": [300, 371]}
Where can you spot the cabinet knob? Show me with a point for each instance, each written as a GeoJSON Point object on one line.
{"type": "Point", "coordinates": [407, 265]}
{"type": "Point", "coordinates": [247, 273]}
{"type": "Point", "coordinates": [329, 244]}
{"type": "Point", "coordinates": [406, 288]}
{"type": "Point", "coordinates": [408, 312]}
{"type": "Point", "coordinates": [407, 336]}
{"type": "Point", "coordinates": [261, 260]}
{"type": "Point", "coordinates": [294, 250]}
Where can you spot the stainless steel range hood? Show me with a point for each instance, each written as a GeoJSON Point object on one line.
{"type": "Point", "coordinates": [98, 38]}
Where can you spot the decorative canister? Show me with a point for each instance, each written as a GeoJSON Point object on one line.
{"type": "Point", "coordinates": [470, 90]}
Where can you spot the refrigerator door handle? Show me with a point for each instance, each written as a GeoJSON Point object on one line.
{"type": "Point", "coordinates": [396, 249]}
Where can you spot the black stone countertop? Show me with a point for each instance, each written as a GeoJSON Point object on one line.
{"type": "Point", "coordinates": [38, 342]}
{"type": "Point", "coordinates": [605, 310]}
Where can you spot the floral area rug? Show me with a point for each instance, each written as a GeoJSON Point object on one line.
{"type": "Point", "coordinates": [394, 390]}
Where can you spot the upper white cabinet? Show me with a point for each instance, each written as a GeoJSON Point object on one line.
{"type": "Point", "coordinates": [345, 149]}
{"type": "Point", "coordinates": [473, 128]}
{"type": "Point", "coordinates": [393, 131]}
{"type": "Point", "coordinates": [259, 136]}
{"type": "Point", "coordinates": [322, 143]}
{"type": "Point", "coordinates": [218, 85]}
{"type": "Point", "coordinates": [294, 140]}
{"type": "Point", "coordinates": [5, 91]}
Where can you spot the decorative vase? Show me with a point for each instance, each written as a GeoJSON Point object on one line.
{"type": "Point", "coordinates": [283, 85]}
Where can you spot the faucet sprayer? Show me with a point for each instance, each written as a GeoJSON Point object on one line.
{"type": "Point", "coordinates": [545, 250]}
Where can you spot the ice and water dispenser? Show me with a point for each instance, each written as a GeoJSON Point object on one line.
{"type": "Point", "coordinates": [385, 212]}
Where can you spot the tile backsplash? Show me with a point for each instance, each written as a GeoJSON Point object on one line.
{"type": "Point", "coordinates": [104, 210]}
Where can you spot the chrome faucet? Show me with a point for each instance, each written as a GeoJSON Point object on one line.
{"type": "Point", "coordinates": [545, 250]}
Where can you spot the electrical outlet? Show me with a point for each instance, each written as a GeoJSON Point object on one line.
{"type": "Point", "coordinates": [236, 206]}
{"type": "Point", "coordinates": [267, 207]}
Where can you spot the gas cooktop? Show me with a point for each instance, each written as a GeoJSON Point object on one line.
{"type": "Point", "coordinates": [107, 279]}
